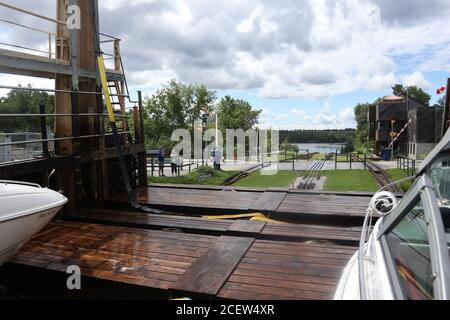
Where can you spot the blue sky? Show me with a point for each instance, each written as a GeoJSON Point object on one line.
{"type": "Point", "coordinates": [305, 63]}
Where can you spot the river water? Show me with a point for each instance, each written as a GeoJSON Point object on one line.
{"type": "Point", "coordinates": [320, 147]}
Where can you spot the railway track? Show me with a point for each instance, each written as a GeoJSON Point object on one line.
{"type": "Point", "coordinates": [312, 175]}
{"type": "Point", "coordinates": [243, 174]}
{"type": "Point", "coordinates": [381, 177]}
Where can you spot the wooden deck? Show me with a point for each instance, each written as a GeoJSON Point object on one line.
{"type": "Point", "coordinates": [186, 255]}
{"type": "Point", "coordinates": [186, 264]}
{"type": "Point", "coordinates": [287, 203]}
{"type": "Point", "coordinates": [287, 271]}
{"type": "Point", "coordinates": [243, 228]}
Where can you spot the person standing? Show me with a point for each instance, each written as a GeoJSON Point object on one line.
{"type": "Point", "coordinates": [174, 162]}
{"type": "Point", "coordinates": [217, 159]}
{"type": "Point", "coordinates": [161, 162]}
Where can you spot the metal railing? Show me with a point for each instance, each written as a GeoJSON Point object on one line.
{"type": "Point", "coordinates": [407, 164]}
{"type": "Point", "coordinates": [101, 132]}
{"type": "Point", "coordinates": [153, 164]}
{"type": "Point", "coordinates": [50, 35]}
{"type": "Point", "coordinates": [350, 158]}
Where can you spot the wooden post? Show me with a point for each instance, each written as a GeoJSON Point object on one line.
{"type": "Point", "coordinates": [142, 157]}
{"type": "Point", "coordinates": [63, 125]}
{"type": "Point", "coordinates": [153, 167]}
{"type": "Point", "coordinates": [137, 124]}
{"type": "Point", "coordinates": [350, 156]}
{"type": "Point", "coordinates": [335, 160]}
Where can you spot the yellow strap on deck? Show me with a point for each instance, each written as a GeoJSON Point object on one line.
{"type": "Point", "coordinates": [102, 71]}
{"type": "Point", "coordinates": [267, 220]}
{"type": "Point", "coordinates": [236, 216]}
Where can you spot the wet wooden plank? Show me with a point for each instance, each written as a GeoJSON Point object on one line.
{"type": "Point", "coordinates": [292, 203]}
{"type": "Point", "coordinates": [288, 271]}
{"type": "Point", "coordinates": [269, 201]}
{"type": "Point", "coordinates": [208, 274]}
{"type": "Point", "coordinates": [134, 256]}
{"type": "Point", "coordinates": [226, 199]}
{"type": "Point", "coordinates": [246, 226]}
{"type": "Point", "coordinates": [257, 229]}
{"type": "Point", "coordinates": [151, 221]}
{"type": "Point", "coordinates": [324, 204]}
{"type": "Point", "coordinates": [312, 231]}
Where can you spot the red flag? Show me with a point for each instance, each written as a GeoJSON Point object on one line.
{"type": "Point", "coordinates": [440, 90]}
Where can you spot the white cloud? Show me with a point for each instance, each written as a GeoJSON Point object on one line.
{"type": "Point", "coordinates": [306, 49]}
{"type": "Point", "coordinates": [310, 49]}
{"type": "Point", "coordinates": [297, 118]}
{"type": "Point", "coordinates": [416, 79]}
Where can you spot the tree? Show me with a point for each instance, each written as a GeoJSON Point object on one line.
{"type": "Point", "coordinates": [362, 126]}
{"type": "Point", "coordinates": [413, 92]}
{"type": "Point", "coordinates": [236, 114]}
{"type": "Point", "coordinates": [318, 136]}
{"type": "Point", "coordinates": [440, 102]}
{"type": "Point", "coordinates": [349, 146]}
{"type": "Point", "coordinates": [24, 102]}
{"type": "Point", "coordinates": [174, 106]}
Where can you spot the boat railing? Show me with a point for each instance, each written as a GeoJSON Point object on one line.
{"type": "Point", "coordinates": [20, 183]}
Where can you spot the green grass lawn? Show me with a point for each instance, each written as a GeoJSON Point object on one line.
{"type": "Point", "coordinates": [318, 156]}
{"type": "Point", "coordinates": [204, 176]}
{"type": "Point", "coordinates": [397, 174]}
{"type": "Point", "coordinates": [349, 180]}
{"type": "Point", "coordinates": [280, 180]}
{"type": "Point", "coordinates": [321, 156]}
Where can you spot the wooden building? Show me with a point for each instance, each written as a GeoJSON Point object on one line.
{"type": "Point", "coordinates": [388, 117]}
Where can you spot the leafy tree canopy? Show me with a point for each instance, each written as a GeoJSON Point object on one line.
{"type": "Point", "coordinates": [413, 92]}
{"type": "Point", "coordinates": [24, 102]}
{"type": "Point", "coordinates": [236, 114]}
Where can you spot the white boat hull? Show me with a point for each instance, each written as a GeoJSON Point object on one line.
{"type": "Point", "coordinates": [24, 211]}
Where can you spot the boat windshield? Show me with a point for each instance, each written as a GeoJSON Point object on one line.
{"type": "Point", "coordinates": [440, 175]}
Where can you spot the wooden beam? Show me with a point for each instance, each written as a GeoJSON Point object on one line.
{"type": "Point", "coordinates": [208, 274]}
{"type": "Point", "coordinates": [63, 104]}
{"type": "Point", "coordinates": [25, 64]}
{"type": "Point", "coordinates": [269, 201]}
{"type": "Point", "coordinates": [16, 169]}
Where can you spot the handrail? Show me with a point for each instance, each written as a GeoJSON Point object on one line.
{"type": "Point", "coordinates": [27, 27]}
{"type": "Point", "coordinates": [109, 36]}
{"type": "Point", "coordinates": [31, 13]}
{"type": "Point", "coordinates": [57, 91]}
{"type": "Point", "coordinates": [126, 82]}
{"type": "Point", "coordinates": [23, 47]}
{"type": "Point", "coordinates": [10, 115]}
{"type": "Point", "coordinates": [61, 139]}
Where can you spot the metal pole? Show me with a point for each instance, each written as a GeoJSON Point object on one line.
{"type": "Point", "coordinates": [217, 129]}
{"type": "Point", "coordinates": [44, 130]}
{"type": "Point", "coordinates": [141, 117]}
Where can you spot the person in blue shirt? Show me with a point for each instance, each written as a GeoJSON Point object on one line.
{"type": "Point", "coordinates": [161, 162]}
